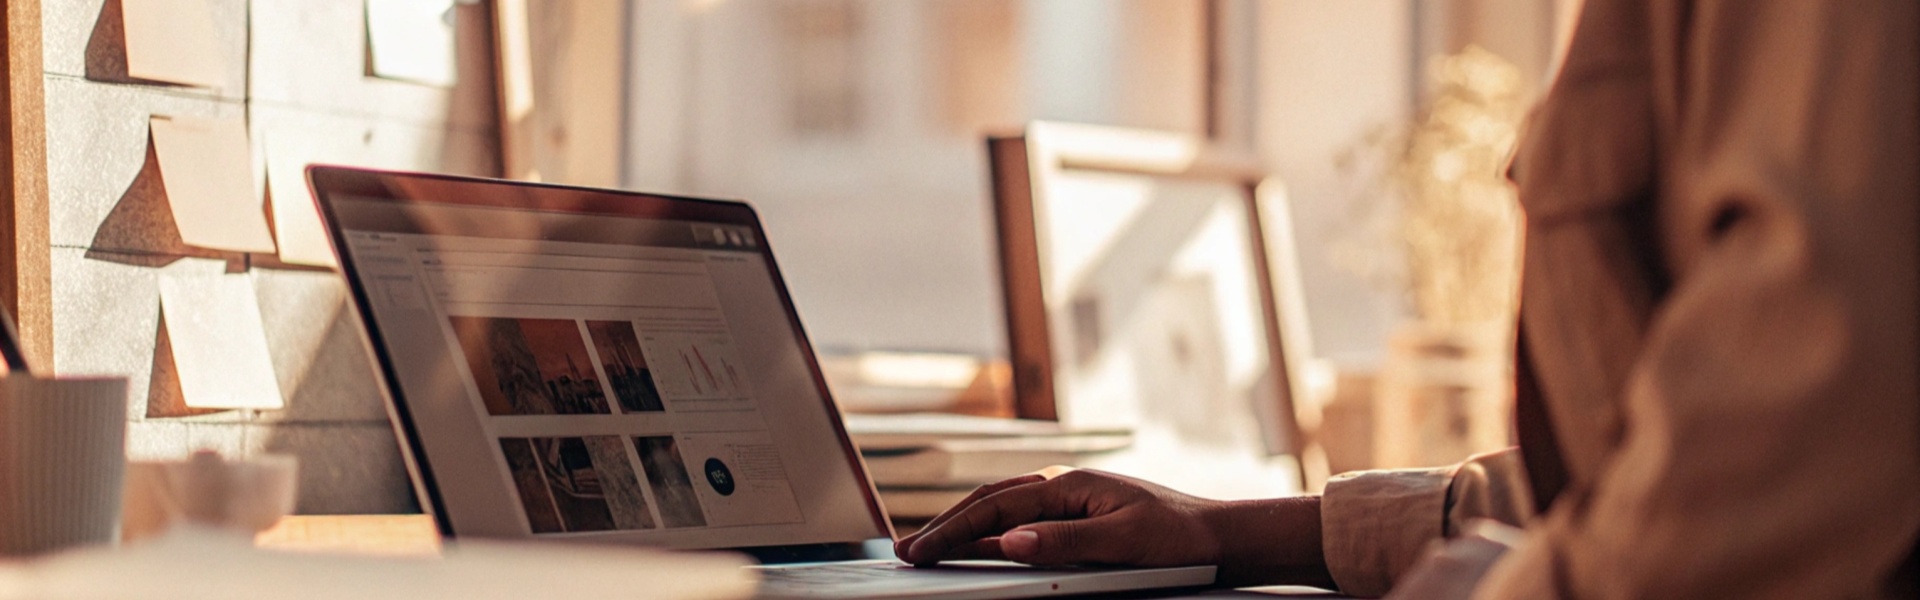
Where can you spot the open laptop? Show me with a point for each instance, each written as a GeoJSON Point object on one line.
{"type": "Point", "coordinates": [604, 366]}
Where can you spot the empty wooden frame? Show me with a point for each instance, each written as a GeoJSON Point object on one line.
{"type": "Point", "coordinates": [1147, 282]}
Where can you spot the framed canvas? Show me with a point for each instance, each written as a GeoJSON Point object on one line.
{"type": "Point", "coordinates": [1149, 285]}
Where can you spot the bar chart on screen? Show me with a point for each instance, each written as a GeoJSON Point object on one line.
{"type": "Point", "coordinates": [695, 366]}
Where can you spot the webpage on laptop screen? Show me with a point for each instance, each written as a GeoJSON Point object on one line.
{"type": "Point", "coordinates": [649, 392]}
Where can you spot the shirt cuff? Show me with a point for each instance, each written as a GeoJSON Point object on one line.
{"type": "Point", "coordinates": [1525, 572]}
{"type": "Point", "coordinates": [1375, 524]}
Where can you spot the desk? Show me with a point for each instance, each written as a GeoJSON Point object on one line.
{"type": "Point", "coordinates": [416, 535]}
{"type": "Point", "coordinates": [379, 535]}
{"type": "Point", "coordinates": [1266, 593]}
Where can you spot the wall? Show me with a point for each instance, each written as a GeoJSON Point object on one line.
{"type": "Point", "coordinates": [1329, 73]}
{"type": "Point", "coordinates": [883, 230]}
{"type": "Point", "coordinates": [296, 71]}
{"type": "Point", "coordinates": [881, 223]}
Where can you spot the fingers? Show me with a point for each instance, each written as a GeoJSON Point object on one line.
{"type": "Point", "coordinates": [1098, 540]}
{"type": "Point", "coordinates": [900, 546]}
{"type": "Point", "coordinates": [983, 549]}
{"type": "Point", "coordinates": [982, 492]}
{"type": "Point", "coordinates": [989, 516]}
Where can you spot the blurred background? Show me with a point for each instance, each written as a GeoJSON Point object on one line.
{"type": "Point", "coordinates": [858, 128]}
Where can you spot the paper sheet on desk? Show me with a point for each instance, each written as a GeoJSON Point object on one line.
{"type": "Point", "coordinates": [201, 566]}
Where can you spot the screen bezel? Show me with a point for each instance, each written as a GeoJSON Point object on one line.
{"type": "Point", "coordinates": [405, 187]}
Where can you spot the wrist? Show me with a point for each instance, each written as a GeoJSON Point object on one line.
{"type": "Point", "coordinates": [1270, 542]}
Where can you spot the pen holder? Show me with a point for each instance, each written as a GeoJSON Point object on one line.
{"type": "Point", "coordinates": [62, 460]}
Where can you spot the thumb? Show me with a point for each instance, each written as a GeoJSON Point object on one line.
{"type": "Point", "coordinates": [1098, 540]}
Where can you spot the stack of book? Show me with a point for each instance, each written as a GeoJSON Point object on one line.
{"type": "Point", "coordinates": [924, 463]}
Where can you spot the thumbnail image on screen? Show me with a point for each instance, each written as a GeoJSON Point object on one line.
{"type": "Point", "coordinates": [576, 484]}
{"type": "Point", "coordinates": [530, 366]}
{"type": "Point", "coordinates": [626, 366]}
{"type": "Point", "coordinates": [672, 487]}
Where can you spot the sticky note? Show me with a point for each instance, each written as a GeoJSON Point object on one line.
{"type": "Point", "coordinates": [219, 341]}
{"type": "Point", "coordinates": [412, 40]}
{"type": "Point", "coordinates": [296, 221]}
{"type": "Point", "coordinates": [208, 175]}
{"type": "Point", "coordinates": [173, 41]}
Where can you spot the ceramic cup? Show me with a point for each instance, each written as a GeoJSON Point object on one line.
{"type": "Point", "coordinates": [240, 497]}
{"type": "Point", "coordinates": [62, 459]}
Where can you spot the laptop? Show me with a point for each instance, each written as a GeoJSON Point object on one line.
{"type": "Point", "coordinates": [601, 366]}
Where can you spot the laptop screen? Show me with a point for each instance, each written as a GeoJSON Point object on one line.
{"type": "Point", "coordinates": [584, 363]}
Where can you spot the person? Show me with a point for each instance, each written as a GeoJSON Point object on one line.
{"type": "Point", "coordinates": [1717, 381]}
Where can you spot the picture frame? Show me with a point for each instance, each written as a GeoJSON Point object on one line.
{"type": "Point", "coordinates": [1148, 282]}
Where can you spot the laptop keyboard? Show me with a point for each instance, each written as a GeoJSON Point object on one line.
{"type": "Point", "coordinates": [891, 579]}
{"type": "Point", "coordinates": [894, 579]}
{"type": "Point", "coordinates": [838, 573]}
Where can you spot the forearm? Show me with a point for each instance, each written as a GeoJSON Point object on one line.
{"type": "Point", "coordinates": [1270, 542]}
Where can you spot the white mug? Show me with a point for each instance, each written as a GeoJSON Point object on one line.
{"type": "Point", "coordinates": [240, 497]}
{"type": "Point", "coordinates": [62, 460]}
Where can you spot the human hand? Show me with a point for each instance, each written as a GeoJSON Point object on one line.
{"type": "Point", "coordinates": [1075, 517]}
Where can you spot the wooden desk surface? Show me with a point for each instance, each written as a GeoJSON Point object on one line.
{"type": "Point", "coordinates": [415, 535]}
{"type": "Point", "coordinates": [382, 535]}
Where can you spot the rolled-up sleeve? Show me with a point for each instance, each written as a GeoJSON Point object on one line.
{"type": "Point", "coordinates": [1376, 524]}
{"type": "Point", "coordinates": [1771, 444]}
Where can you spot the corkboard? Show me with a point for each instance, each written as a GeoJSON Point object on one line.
{"type": "Point", "coordinates": [86, 230]}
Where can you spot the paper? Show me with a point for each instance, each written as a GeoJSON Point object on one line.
{"type": "Point", "coordinates": [219, 342]}
{"type": "Point", "coordinates": [173, 41]}
{"type": "Point", "coordinates": [208, 175]}
{"type": "Point", "coordinates": [412, 40]}
{"type": "Point", "coordinates": [296, 221]}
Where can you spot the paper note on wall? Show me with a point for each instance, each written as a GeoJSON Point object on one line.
{"type": "Point", "coordinates": [296, 221]}
{"type": "Point", "coordinates": [205, 166]}
{"type": "Point", "coordinates": [173, 41]}
{"type": "Point", "coordinates": [219, 342]}
{"type": "Point", "coordinates": [412, 40]}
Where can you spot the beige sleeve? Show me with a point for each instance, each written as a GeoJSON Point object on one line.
{"type": "Point", "coordinates": [1376, 524]}
{"type": "Point", "coordinates": [1772, 433]}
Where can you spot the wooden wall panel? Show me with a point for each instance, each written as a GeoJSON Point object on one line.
{"type": "Point", "coordinates": [25, 276]}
